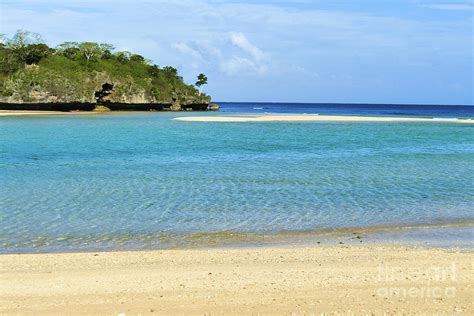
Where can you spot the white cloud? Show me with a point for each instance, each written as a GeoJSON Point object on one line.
{"type": "Point", "coordinates": [185, 49]}
{"type": "Point", "coordinates": [241, 58]}
{"type": "Point", "coordinates": [240, 65]}
{"type": "Point", "coordinates": [239, 40]}
{"type": "Point", "coordinates": [449, 6]}
{"type": "Point", "coordinates": [255, 62]}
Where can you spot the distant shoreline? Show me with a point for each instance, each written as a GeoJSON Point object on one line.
{"type": "Point", "coordinates": [40, 113]}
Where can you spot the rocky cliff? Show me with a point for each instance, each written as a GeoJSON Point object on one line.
{"type": "Point", "coordinates": [34, 76]}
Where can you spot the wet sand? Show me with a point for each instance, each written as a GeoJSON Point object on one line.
{"type": "Point", "coordinates": [334, 118]}
{"type": "Point", "coordinates": [267, 281]}
{"type": "Point", "coordinates": [40, 113]}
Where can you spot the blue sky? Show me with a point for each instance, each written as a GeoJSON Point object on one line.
{"type": "Point", "coordinates": [364, 51]}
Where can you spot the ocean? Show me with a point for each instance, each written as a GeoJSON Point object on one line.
{"type": "Point", "coordinates": [129, 181]}
{"type": "Point", "coordinates": [408, 110]}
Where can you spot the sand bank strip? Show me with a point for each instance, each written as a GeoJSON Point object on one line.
{"type": "Point", "coordinates": [39, 113]}
{"type": "Point", "coordinates": [341, 279]}
{"type": "Point", "coordinates": [338, 118]}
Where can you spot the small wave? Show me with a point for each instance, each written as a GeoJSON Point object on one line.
{"type": "Point", "coordinates": [444, 119]}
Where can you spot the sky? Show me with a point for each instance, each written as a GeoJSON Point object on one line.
{"type": "Point", "coordinates": [338, 51]}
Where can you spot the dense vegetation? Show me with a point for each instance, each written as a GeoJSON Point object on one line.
{"type": "Point", "coordinates": [31, 71]}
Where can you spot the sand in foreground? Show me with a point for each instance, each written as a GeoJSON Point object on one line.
{"type": "Point", "coordinates": [334, 118]}
{"type": "Point", "coordinates": [341, 278]}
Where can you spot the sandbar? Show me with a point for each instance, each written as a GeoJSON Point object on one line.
{"type": "Point", "coordinates": [335, 118]}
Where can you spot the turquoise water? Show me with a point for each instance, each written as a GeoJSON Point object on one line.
{"type": "Point", "coordinates": [133, 181]}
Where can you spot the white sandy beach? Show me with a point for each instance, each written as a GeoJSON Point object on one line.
{"type": "Point", "coordinates": [334, 118]}
{"type": "Point", "coordinates": [340, 279]}
{"type": "Point", "coordinates": [40, 113]}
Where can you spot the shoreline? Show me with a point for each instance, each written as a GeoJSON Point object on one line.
{"type": "Point", "coordinates": [42, 113]}
{"type": "Point", "coordinates": [435, 235]}
{"type": "Point", "coordinates": [268, 280]}
{"type": "Point", "coordinates": [317, 118]}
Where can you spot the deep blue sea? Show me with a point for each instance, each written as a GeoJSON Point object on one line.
{"type": "Point", "coordinates": [405, 110]}
{"type": "Point", "coordinates": [145, 181]}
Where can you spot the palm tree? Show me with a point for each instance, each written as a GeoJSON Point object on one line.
{"type": "Point", "coordinates": [202, 80]}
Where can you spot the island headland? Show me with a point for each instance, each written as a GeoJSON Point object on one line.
{"type": "Point", "coordinates": [89, 76]}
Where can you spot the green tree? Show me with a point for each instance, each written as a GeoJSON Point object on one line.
{"type": "Point", "coordinates": [107, 50]}
{"type": "Point", "coordinates": [66, 45]}
{"type": "Point", "coordinates": [106, 47]}
{"type": "Point", "coordinates": [201, 81]}
{"type": "Point", "coordinates": [137, 58]}
{"type": "Point", "coordinates": [3, 39]}
{"type": "Point", "coordinates": [26, 47]}
{"type": "Point", "coordinates": [69, 50]}
{"type": "Point", "coordinates": [9, 63]}
{"type": "Point", "coordinates": [23, 38]}
{"type": "Point", "coordinates": [72, 53]}
{"type": "Point", "coordinates": [170, 70]}
{"type": "Point", "coordinates": [34, 53]}
{"type": "Point", "coordinates": [154, 70]}
{"type": "Point", "coordinates": [123, 57]}
{"type": "Point", "coordinates": [90, 51]}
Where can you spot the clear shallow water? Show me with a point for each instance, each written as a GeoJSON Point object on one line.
{"type": "Point", "coordinates": [142, 180]}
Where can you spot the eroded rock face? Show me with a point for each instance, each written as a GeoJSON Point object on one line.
{"type": "Point", "coordinates": [175, 105]}
{"type": "Point", "coordinates": [103, 96]}
{"type": "Point", "coordinates": [100, 89]}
